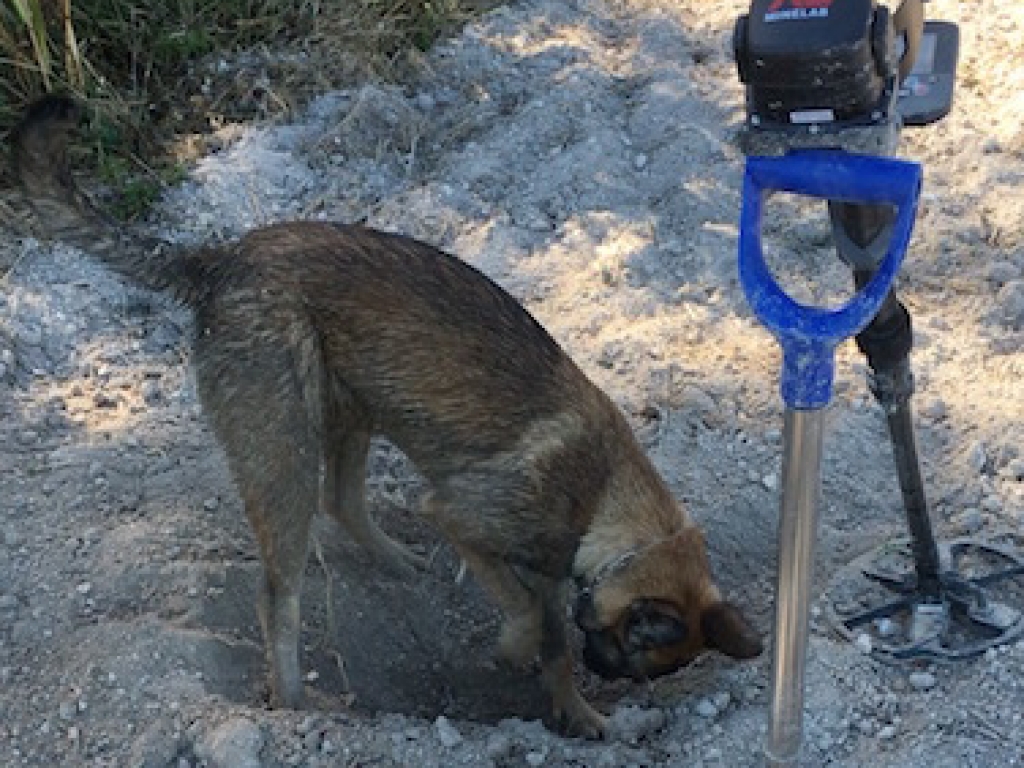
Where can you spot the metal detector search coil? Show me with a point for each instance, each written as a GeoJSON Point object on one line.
{"type": "Point", "coordinates": [808, 335]}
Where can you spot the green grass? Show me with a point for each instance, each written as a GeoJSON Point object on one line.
{"type": "Point", "coordinates": [137, 64]}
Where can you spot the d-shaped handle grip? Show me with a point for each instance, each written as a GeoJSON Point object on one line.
{"type": "Point", "coordinates": [809, 335]}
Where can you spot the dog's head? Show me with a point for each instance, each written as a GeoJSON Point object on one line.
{"type": "Point", "coordinates": [656, 609]}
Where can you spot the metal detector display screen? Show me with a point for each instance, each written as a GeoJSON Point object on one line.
{"type": "Point", "coordinates": [927, 93]}
{"type": "Point", "coordinates": [925, 56]}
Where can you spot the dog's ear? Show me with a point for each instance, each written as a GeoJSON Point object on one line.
{"type": "Point", "coordinates": [725, 629]}
{"type": "Point", "coordinates": [653, 625]}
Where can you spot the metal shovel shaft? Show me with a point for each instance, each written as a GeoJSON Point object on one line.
{"type": "Point", "coordinates": [798, 522]}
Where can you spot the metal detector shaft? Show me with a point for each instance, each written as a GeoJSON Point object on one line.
{"type": "Point", "coordinates": [798, 522]}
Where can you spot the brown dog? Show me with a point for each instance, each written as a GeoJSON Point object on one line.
{"type": "Point", "coordinates": [311, 337]}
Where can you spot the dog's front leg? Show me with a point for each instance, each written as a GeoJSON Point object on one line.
{"type": "Point", "coordinates": [572, 712]}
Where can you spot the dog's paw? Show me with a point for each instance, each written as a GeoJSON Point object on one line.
{"type": "Point", "coordinates": [576, 717]}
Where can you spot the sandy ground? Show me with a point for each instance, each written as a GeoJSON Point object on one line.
{"type": "Point", "coordinates": [584, 155]}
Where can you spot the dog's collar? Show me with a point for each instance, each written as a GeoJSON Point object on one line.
{"type": "Point", "coordinates": [610, 567]}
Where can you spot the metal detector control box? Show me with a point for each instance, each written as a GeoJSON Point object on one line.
{"type": "Point", "coordinates": [814, 62]}
{"type": "Point", "coordinates": [840, 74]}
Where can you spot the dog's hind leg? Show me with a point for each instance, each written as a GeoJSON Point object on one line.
{"type": "Point", "coordinates": [346, 449]}
{"type": "Point", "coordinates": [263, 402]}
{"type": "Point", "coordinates": [520, 638]}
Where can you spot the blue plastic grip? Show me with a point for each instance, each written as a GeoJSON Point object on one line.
{"type": "Point", "coordinates": [808, 335]}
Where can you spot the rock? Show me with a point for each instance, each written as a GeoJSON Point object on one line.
{"type": "Point", "coordinates": [934, 409]}
{"type": "Point", "coordinates": [151, 392]}
{"type": "Point", "coordinates": [970, 521]}
{"type": "Point", "coordinates": [992, 504]}
{"type": "Point", "coordinates": [8, 603]}
{"type": "Point", "coordinates": [922, 681]}
{"type": "Point", "coordinates": [632, 724]}
{"type": "Point", "coordinates": [886, 627]}
{"type": "Point", "coordinates": [706, 708]}
{"type": "Point", "coordinates": [234, 744]}
{"type": "Point", "coordinates": [447, 733]}
{"type": "Point", "coordinates": [1014, 469]}
{"type": "Point", "coordinates": [499, 746]}
{"type": "Point", "coordinates": [1002, 272]}
{"type": "Point", "coordinates": [536, 758]}
{"type": "Point", "coordinates": [1009, 304]}
{"type": "Point", "coordinates": [863, 643]}
{"type": "Point", "coordinates": [103, 400]}
{"type": "Point", "coordinates": [306, 725]}
{"type": "Point", "coordinates": [977, 457]}
{"type": "Point", "coordinates": [157, 747]}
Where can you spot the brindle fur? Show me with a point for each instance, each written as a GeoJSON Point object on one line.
{"type": "Point", "coordinates": [311, 337]}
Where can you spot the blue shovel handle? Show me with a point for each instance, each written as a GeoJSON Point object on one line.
{"type": "Point", "coordinates": [808, 335]}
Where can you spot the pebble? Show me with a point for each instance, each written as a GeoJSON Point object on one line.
{"type": "Point", "coordinates": [536, 758]}
{"type": "Point", "coordinates": [632, 724]}
{"type": "Point", "coordinates": [863, 643]}
{"type": "Point", "coordinates": [922, 681]}
{"type": "Point", "coordinates": [886, 627]}
{"type": "Point", "coordinates": [978, 457]}
{"type": "Point", "coordinates": [706, 708]}
{"type": "Point", "coordinates": [1015, 469]}
{"type": "Point", "coordinates": [1002, 272]}
{"type": "Point", "coordinates": [8, 603]}
{"type": "Point", "coordinates": [970, 521]}
{"type": "Point", "coordinates": [447, 733]}
{"type": "Point", "coordinates": [211, 504]}
{"type": "Point", "coordinates": [235, 744]}
{"type": "Point", "coordinates": [770, 481]}
{"type": "Point", "coordinates": [934, 409]}
{"type": "Point", "coordinates": [887, 732]}
{"type": "Point", "coordinates": [499, 746]}
{"type": "Point", "coordinates": [151, 392]}
{"type": "Point", "coordinates": [992, 504]}
{"type": "Point", "coordinates": [103, 400]}
{"type": "Point", "coordinates": [991, 146]}
{"type": "Point", "coordinates": [1010, 303]}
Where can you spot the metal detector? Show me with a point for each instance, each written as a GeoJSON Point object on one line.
{"type": "Point", "coordinates": [829, 86]}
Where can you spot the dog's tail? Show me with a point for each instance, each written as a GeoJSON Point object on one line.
{"type": "Point", "coordinates": [53, 208]}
